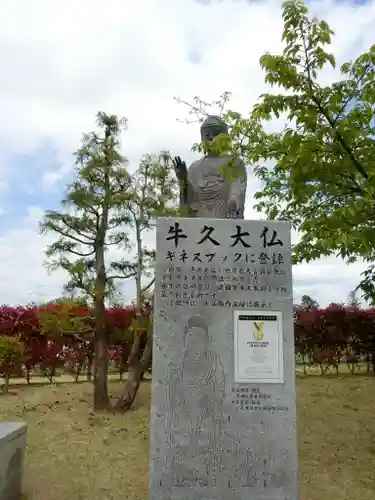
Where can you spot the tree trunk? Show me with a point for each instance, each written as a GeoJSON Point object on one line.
{"type": "Point", "coordinates": [101, 399]}
{"type": "Point", "coordinates": [135, 350]}
{"type": "Point", "coordinates": [90, 362]}
{"type": "Point", "coordinates": [6, 383]}
{"type": "Point", "coordinates": [136, 370]}
{"type": "Point", "coordinates": [136, 366]}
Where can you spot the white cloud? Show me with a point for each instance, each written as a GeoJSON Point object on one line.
{"type": "Point", "coordinates": [62, 61]}
{"type": "Point", "coordinates": [23, 278]}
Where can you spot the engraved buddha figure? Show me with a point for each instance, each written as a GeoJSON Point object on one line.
{"type": "Point", "coordinates": [215, 185]}
{"type": "Point", "coordinates": [199, 389]}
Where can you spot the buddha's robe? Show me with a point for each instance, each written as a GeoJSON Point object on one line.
{"type": "Point", "coordinates": [213, 182]}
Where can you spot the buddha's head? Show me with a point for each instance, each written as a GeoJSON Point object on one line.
{"type": "Point", "coordinates": [211, 127]}
{"type": "Point", "coordinates": [196, 336]}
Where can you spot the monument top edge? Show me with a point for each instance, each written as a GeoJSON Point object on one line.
{"type": "Point", "coordinates": [265, 221]}
{"type": "Point", "coordinates": [11, 430]}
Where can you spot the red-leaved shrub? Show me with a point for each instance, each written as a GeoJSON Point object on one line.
{"type": "Point", "coordinates": [57, 338]}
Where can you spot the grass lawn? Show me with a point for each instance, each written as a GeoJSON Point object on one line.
{"type": "Point", "coordinates": [73, 454]}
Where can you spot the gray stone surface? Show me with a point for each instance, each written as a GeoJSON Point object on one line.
{"type": "Point", "coordinates": [214, 186]}
{"type": "Point", "coordinates": [12, 449]}
{"type": "Point", "coordinates": [212, 438]}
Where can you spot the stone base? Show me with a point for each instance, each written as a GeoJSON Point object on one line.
{"type": "Point", "coordinates": [12, 448]}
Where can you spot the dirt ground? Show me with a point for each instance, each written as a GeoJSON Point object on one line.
{"type": "Point", "coordinates": [74, 454]}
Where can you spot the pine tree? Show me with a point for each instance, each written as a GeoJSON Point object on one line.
{"type": "Point", "coordinates": [91, 222]}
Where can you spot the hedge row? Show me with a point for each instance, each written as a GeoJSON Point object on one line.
{"type": "Point", "coordinates": [327, 337]}
{"type": "Point", "coordinates": [59, 337]}
{"type": "Point", "coordinates": [54, 320]}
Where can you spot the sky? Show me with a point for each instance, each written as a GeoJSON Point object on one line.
{"type": "Point", "coordinates": [62, 61]}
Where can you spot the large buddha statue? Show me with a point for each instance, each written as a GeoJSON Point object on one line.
{"type": "Point", "coordinates": [215, 185]}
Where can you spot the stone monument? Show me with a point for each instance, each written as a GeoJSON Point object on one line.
{"type": "Point", "coordinates": [12, 449]}
{"type": "Point", "coordinates": [223, 387]}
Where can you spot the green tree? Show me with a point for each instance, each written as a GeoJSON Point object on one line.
{"type": "Point", "coordinates": [67, 301]}
{"type": "Point", "coordinates": [93, 220]}
{"type": "Point", "coordinates": [308, 302]}
{"type": "Point", "coordinates": [153, 193]}
{"type": "Point", "coordinates": [323, 160]}
{"type": "Point", "coordinates": [353, 300]}
{"type": "Point", "coordinates": [318, 171]}
{"type": "Point", "coordinates": [11, 358]}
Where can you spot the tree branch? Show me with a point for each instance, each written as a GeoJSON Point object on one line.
{"type": "Point", "coordinates": [121, 276]}
{"type": "Point", "coordinates": [80, 254]}
{"type": "Point", "coordinates": [72, 228]}
{"type": "Point", "coordinates": [148, 286]}
{"type": "Point", "coordinates": [57, 229]}
{"type": "Point", "coordinates": [324, 112]}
